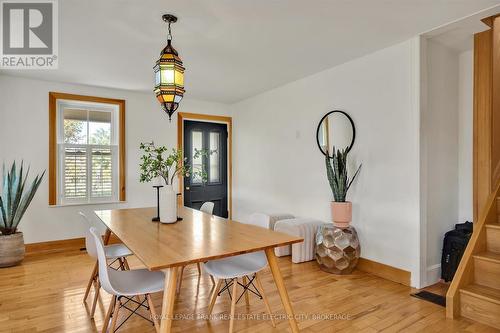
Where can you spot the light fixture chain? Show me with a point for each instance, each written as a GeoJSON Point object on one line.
{"type": "Point", "coordinates": [169, 36]}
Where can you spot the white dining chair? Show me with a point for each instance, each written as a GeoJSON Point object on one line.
{"type": "Point", "coordinates": [124, 286]}
{"type": "Point", "coordinates": [113, 253]}
{"type": "Point", "coordinates": [207, 207]}
{"type": "Point", "coordinates": [245, 267]}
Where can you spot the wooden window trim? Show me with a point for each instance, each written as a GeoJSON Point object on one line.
{"type": "Point", "coordinates": [53, 97]}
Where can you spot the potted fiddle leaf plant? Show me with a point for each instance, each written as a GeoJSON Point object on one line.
{"type": "Point", "coordinates": [337, 173]}
{"type": "Point", "coordinates": [159, 161]}
{"type": "Point", "coordinates": [15, 197]}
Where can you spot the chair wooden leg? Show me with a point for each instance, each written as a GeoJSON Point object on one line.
{"type": "Point", "coordinates": [233, 306]}
{"type": "Point", "coordinates": [264, 298]}
{"type": "Point", "coordinates": [125, 263]}
{"type": "Point", "coordinates": [107, 235]}
{"type": "Point", "coordinates": [91, 282]}
{"type": "Point", "coordinates": [247, 299]}
{"type": "Point", "coordinates": [96, 296]}
{"type": "Point", "coordinates": [214, 297]}
{"type": "Point", "coordinates": [154, 315]}
{"type": "Point", "coordinates": [122, 265]}
{"type": "Point", "coordinates": [199, 268]}
{"type": "Point", "coordinates": [115, 315]}
{"type": "Point", "coordinates": [108, 314]}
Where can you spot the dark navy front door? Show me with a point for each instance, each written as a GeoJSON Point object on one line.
{"type": "Point", "coordinates": [211, 138]}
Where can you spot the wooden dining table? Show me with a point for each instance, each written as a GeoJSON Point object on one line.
{"type": "Point", "coordinates": [198, 237]}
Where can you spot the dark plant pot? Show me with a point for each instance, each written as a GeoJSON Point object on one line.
{"type": "Point", "coordinates": [11, 249]}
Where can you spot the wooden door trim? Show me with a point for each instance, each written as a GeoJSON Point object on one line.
{"type": "Point", "coordinates": [490, 20]}
{"type": "Point", "coordinates": [482, 121]}
{"type": "Point", "coordinates": [495, 101]}
{"type": "Point", "coordinates": [181, 116]}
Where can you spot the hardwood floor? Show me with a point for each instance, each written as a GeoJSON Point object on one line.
{"type": "Point", "coordinates": [45, 294]}
{"type": "Point", "coordinates": [440, 288]}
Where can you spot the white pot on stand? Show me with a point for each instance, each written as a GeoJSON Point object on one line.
{"type": "Point", "coordinates": [168, 205]}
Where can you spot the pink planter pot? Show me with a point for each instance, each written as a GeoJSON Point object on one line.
{"type": "Point", "coordinates": [341, 213]}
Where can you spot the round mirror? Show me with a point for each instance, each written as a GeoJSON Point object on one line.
{"type": "Point", "coordinates": [336, 129]}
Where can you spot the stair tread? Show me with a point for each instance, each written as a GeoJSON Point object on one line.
{"type": "Point", "coordinates": [483, 292]}
{"type": "Point", "coordinates": [488, 255]}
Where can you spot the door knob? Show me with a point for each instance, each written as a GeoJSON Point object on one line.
{"type": "Point", "coordinates": [187, 188]}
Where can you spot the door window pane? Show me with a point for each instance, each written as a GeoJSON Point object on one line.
{"type": "Point", "coordinates": [214, 157]}
{"type": "Point", "coordinates": [197, 164]}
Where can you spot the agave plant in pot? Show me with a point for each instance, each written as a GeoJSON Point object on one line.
{"type": "Point", "coordinates": [15, 197]}
{"type": "Point", "coordinates": [167, 164]}
{"type": "Point", "coordinates": [337, 173]}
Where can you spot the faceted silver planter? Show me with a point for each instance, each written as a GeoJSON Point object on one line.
{"type": "Point", "coordinates": [337, 249]}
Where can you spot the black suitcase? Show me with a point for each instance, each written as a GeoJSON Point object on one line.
{"type": "Point", "coordinates": [466, 227]}
{"type": "Point", "coordinates": [454, 244]}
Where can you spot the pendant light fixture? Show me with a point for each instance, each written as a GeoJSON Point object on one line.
{"type": "Point", "coordinates": [169, 74]}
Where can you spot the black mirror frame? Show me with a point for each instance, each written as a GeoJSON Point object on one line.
{"type": "Point", "coordinates": [353, 130]}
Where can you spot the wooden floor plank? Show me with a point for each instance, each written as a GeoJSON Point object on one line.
{"type": "Point", "coordinates": [44, 295]}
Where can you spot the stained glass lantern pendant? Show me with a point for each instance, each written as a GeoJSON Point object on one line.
{"type": "Point", "coordinates": [169, 74]}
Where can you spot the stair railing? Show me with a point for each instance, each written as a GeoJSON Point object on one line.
{"type": "Point", "coordinates": [477, 244]}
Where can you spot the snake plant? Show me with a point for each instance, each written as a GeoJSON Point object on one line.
{"type": "Point", "coordinates": [15, 197]}
{"type": "Point", "coordinates": [336, 171]}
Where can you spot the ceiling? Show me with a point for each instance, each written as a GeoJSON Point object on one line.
{"type": "Point", "coordinates": [459, 35]}
{"type": "Point", "coordinates": [233, 50]}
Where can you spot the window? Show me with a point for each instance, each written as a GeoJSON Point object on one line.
{"type": "Point", "coordinates": [214, 157]}
{"type": "Point", "coordinates": [87, 149]}
{"type": "Point", "coordinates": [197, 164]}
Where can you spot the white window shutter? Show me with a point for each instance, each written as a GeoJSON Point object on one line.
{"type": "Point", "coordinates": [75, 173]}
{"type": "Point", "coordinates": [102, 167]}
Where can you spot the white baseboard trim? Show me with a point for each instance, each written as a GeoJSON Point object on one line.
{"type": "Point", "coordinates": [433, 274]}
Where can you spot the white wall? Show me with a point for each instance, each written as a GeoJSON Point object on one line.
{"type": "Point", "coordinates": [24, 135]}
{"type": "Point", "coordinates": [446, 149]}
{"type": "Point", "coordinates": [465, 139]}
{"type": "Point", "coordinates": [439, 133]}
{"type": "Point", "coordinates": [278, 166]}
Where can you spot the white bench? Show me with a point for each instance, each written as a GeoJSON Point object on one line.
{"type": "Point", "coordinates": [269, 220]}
{"type": "Point", "coordinates": [300, 227]}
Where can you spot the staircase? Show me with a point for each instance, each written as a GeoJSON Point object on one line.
{"type": "Point", "coordinates": [475, 290]}
{"type": "Point", "coordinates": [480, 300]}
